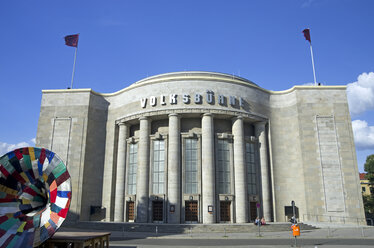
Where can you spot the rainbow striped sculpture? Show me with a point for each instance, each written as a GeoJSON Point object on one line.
{"type": "Point", "coordinates": [35, 195]}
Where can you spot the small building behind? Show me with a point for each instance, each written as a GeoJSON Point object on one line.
{"type": "Point", "coordinates": [366, 188]}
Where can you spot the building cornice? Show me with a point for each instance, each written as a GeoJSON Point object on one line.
{"type": "Point", "coordinates": [255, 117]}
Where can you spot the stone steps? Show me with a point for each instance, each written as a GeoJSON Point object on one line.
{"type": "Point", "coordinates": [184, 228]}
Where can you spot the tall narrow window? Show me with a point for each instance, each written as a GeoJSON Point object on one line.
{"type": "Point", "coordinates": [158, 166]}
{"type": "Point", "coordinates": [131, 174]}
{"type": "Point", "coordinates": [223, 159]}
{"type": "Point", "coordinates": [190, 161]}
{"type": "Point", "coordinates": [251, 168]}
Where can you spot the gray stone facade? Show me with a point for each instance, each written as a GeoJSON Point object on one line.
{"type": "Point", "coordinates": [210, 148]}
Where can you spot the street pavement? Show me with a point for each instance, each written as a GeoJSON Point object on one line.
{"type": "Point", "coordinates": [345, 236]}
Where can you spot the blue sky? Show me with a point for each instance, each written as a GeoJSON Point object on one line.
{"type": "Point", "coordinates": [124, 41]}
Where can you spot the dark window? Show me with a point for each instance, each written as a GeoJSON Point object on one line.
{"type": "Point", "coordinates": [158, 166]}
{"type": "Point", "coordinates": [191, 160]}
{"type": "Point", "coordinates": [251, 168]}
{"type": "Point", "coordinates": [131, 175]}
{"type": "Point", "coordinates": [289, 212]}
{"type": "Point", "coordinates": [223, 159]}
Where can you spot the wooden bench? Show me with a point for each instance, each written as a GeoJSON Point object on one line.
{"type": "Point", "coordinates": [79, 239]}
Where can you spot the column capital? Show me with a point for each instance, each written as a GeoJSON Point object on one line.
{"type": "Point", "coordinates": [260, 128]}
{"type": "Point", "coordinates": [239, 117]}
{"type": "Point", "coordinates": [142, 118]}
{"type": "Point", "coordinates": [208, 114]}
{"type": "Point", "coordinates": [122, 123]}
{"type": "Point", "coordinates": [174, 114]}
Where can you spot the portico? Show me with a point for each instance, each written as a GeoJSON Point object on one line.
{"type": "Point", "coordinates": [202, 175]}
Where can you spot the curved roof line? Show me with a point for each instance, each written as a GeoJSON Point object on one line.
{"type": "Point", "coordinates": [188, 74]}
{"type": "Point", "coordinates": [195, 75]}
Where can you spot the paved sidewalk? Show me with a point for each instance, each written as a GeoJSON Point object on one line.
{"type": "Point", "coordinates": [322, 233]}
{"type": "Point", "coordinates": [327, 237]}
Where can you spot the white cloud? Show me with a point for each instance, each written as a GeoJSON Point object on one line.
{"type": "Point", "coordinates": [361, 94]}
{"type": "Point", "coordinates": [363, 134]}
{"type": "Point", "coordinates": [5, 147]}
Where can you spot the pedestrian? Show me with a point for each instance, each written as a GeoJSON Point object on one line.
{"type": "Point", "coordinates": [263, 222]}
{"type": "Point", "coordinates": [257, 221]}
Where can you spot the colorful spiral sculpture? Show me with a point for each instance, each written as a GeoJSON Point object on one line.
{"type": "Point", "coordinates": [35, 195]}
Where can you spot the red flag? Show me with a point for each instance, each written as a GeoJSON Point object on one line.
{"type": "Point", "coordinates": [307, 34]}
{"type": "Point", "coordinates": [72, 40]}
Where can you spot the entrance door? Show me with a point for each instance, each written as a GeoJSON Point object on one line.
{"type": "Point", "coordinates": [191, 211]}
{"type": "Point", "coordinates": [252, 211]}
{"type": "Point", "coordinates": [158, 209]}
{"type": "Point", "coordinates": [225, 211]}
{"type": "Point", "coordinates": [130, 210]}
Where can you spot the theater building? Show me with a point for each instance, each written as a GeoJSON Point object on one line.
{"type": "Point", "coordinates": [204, 147]}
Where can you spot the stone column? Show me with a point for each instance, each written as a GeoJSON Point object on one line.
{"type": "Point", "coordinates": [142, 176]}
{"type": "Point", "coordinates": [241, 195]}
{"type": "Point", "coordinates": [121, 173]}
{"type": "Point", "coordinates": [260, 133]}
{"type": "Point", "coordinates": [174, 172]}
{"type": "Point", "coordinates": [208, 170]}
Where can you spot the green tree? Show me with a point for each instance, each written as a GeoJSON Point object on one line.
{"type": "Point", "coordinates": [368, 204]}
{"type": "Point", "coordinates": [369, 199]}
{"type": "Point", "coordinates": [369, 168]}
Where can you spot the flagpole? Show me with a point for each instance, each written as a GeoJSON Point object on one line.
{"type": "Point", "coordinates": [72, 76]}
{"type": "Point", "coordinates": [314, 71]}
